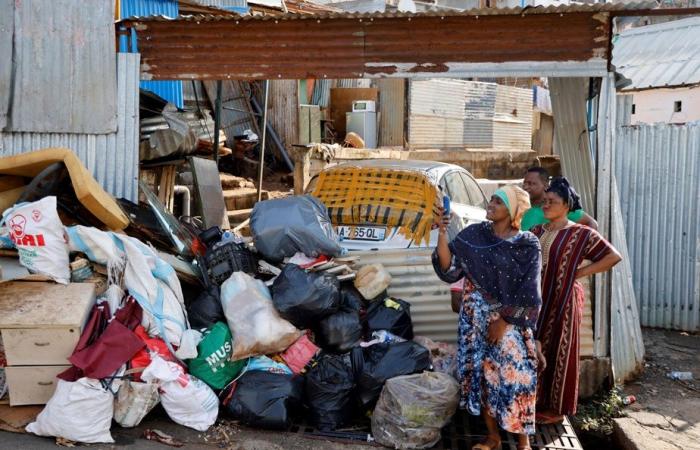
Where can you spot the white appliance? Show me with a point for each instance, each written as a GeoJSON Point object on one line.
{"type": "Point", "coordinates": [363, 121]}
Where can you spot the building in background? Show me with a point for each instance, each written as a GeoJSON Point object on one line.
{"type": "Point", "coordinates": [661, 68]}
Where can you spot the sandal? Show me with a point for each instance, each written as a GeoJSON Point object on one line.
{"type": "Point", "coordinates": [488, 443]}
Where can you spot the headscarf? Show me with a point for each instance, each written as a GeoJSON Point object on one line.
{"type": "Point", "coordinates": [516, 200]}
{"type": "Point", "coordinates": [562, 187]}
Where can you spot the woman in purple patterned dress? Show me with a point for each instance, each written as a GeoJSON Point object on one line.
{"type": "Point", "coordinates": [501, 302]}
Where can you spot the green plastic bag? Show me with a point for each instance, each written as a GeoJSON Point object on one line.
{"type": "Point", "coordinates": [212, 364]}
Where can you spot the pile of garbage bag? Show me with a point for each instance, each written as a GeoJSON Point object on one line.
{"type": "Point", "coordinates": [412, 410]}
{"type": "Point", "coordinates": [297, 338]}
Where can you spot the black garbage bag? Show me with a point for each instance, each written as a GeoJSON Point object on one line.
{"type": "Point", "coordinates": [206, 310]}
{"type": "Point", "coordinates": [378, 298]}
{"type": "Point", "coordinates": [329, 392]}
{"type": "Point", "coordinates": [305, 298]}
{"type": "Point", "coordinates": [377, 363]}
{"type": "Point", "coordinates": [341, 331]}
{"type": "Point", "coordinates": [264, 399]}
{"type": "Point", "coordinates": [351, 297]}
{"type": "Point", "coordinates": [390, 314]}
{"type": "Point", "coordinates": [285, 226]}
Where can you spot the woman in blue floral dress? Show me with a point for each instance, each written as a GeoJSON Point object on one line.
{"type": "Point", "coordinates": [497, 354]}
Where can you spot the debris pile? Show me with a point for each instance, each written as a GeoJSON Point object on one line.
{"type": "Point", "coordinates": [268, 331]}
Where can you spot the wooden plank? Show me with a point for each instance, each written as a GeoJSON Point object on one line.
{"type": "Point", "coordinates": [304, 118]}
{"type": "Point", "coordinates": [29, 304]}
{"type": "Point", "coordinates": [35, 346]}
{"type": "Point", "coordinates": [341, 103]}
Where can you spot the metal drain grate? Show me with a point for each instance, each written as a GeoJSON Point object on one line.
{"type": "Point", "coordinates": [466, 431]}
{"type": "Point", "coordinates": [461, 434]}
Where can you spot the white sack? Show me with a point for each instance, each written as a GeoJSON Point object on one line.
{"type": "Point", "coordinates": [187, 400]}
{"type": "Point", "coordinates": [134, 401]}
{"type": "Point", "coordinates": [146, 277]}
{"type": "Point", "coordinates": [37, 232]}
{"type": "Point", "coordinates": [78, 411]}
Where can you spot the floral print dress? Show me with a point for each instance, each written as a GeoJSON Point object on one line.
{"type": "Point", "coordinates": [501, 378]}
{"type": "Point", "coordinates": [503, 276]}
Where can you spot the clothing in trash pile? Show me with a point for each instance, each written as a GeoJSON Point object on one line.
{"type": "Point", "coordinates": [261, 353]}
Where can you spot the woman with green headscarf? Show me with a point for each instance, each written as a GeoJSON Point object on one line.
{"type": "Point", "coordinates": [497, 357]}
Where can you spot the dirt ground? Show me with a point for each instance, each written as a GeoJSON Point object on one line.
{"type": "Point", "coordinates": [224, 435]}
{"type": "Point", "coordinates": [667, 412]}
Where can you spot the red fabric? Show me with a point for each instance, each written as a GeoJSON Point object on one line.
{"type": "Point", "coordinates": [114, 348]}
{"type": "Point", "coordinates": [143, 358]}
{"type": "Point", "coordinates": [95, 325]}
{"type": "Point", "coordinates": [130, 314]}
{"type": "Point", "coordinates": [298, 355]}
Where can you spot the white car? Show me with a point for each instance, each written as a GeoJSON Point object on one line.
{"type": "Point", "coordinates": [467, 203]}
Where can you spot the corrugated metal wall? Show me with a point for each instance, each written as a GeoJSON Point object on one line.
{"type": "Point", "coordinates": [62, 65]}
{"type": "Point", "coordinates": [488, 115]}
{"type": "Point", "coordinates": [658, 168]}
{"type": "Point", "coordinates": [170, 90]}
{"type": "Point", "coordinates": [414, 280]}
{"type": "Point", "coordinates": [626, 341]}
{"type": "Point", "coordinates": [7, 29]}
{"type": "Point", "coordinates": [616, 328]}
{"type": "Point", "coordinates": [571, 143]}
{"type": "Point", "coordinates": [479, 108]}
{"type": "Point", "coordinates": [512, 126]}
{"type": "Point", "coordinates": [436, 113]}
{"type": "Point", "coordinates": [235, 118]}
{"type": "Point", "coordinates": [224, 4]}
{"type": "Point", "coordinates": [392, 109]}
{"type": "Point", "coordinates": [322, 93]}
{"type": "Point", "coordinates": [111, 158]}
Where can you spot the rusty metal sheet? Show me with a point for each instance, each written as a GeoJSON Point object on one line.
{"type": "Point", "coordinates": [356, 46]}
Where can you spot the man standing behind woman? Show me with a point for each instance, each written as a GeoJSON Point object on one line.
{"type": "Point", "coordinates": [565, 245]}
{"type": "Point", "coordinates": [497, 360]}
{"type": "Point", "coordinates": [536, 183]}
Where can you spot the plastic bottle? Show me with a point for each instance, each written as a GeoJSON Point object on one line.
{"type": "Point", "coordinates": [675, 375]}
{"type": "Point", "coordinates": [629, 400]}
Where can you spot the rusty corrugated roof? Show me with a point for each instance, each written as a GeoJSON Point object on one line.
{"type": "Point", "coordinates": [326, 12]}
{"type": "Point", "coordinates": [477, 42]}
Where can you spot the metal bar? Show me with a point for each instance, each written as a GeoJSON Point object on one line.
{"type": "Point", "coordinates": [262, 148]}
{"type": "Point", "coordinates": [275, 138]}
{"type": "Point", "coordinates": [217, 122]}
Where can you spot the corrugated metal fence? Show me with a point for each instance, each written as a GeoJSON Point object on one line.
{"type": "Point", "coordinates": [658, 170]}
{"type": "Point", "coordinates": [457, 113]}
{"type": "Point", "coordinates": [57, 67]}
{"type": "Point", "coordinates": [170, 90]}
{"type": "Point", "coordinates": [111, 158]}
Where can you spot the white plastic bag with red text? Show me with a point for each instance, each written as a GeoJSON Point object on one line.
{"type": "Point", "coordinates": [37, 232]}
